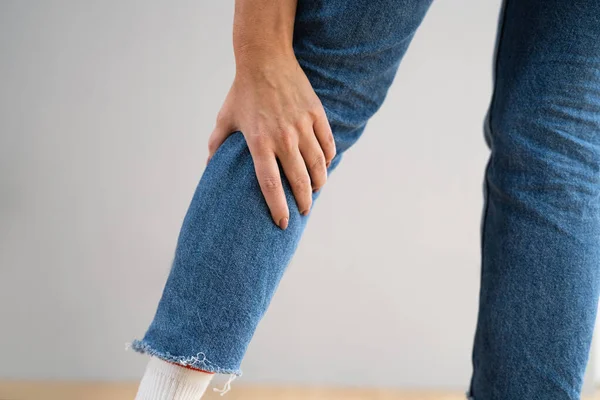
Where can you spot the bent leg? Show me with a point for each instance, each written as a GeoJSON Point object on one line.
{"type": "Point", "coordinates": [230, 256]}
{"type": "Point", "coordinates": [541, 227]}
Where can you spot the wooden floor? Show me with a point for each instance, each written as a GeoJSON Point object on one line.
{"type": "Point", "coordinates": [126, 391]}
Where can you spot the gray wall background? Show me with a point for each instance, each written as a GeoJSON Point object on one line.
{"type": "Point", "coordinates": [105, 111]}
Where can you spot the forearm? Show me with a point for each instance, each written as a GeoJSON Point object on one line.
{"type": "Point", "coordinates": [263, 29]}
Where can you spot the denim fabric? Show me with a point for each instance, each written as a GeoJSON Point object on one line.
{"type": "Point", "coordinates": [541, 226]}
{"type": "Point", "coordinates": [230, 255]}
{"type": "Point", "coordinates": [541, 223]}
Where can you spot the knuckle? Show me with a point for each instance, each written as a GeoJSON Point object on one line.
{"type": "Point", "coordinates": [301, 181]}
{"type": "Point", "coordinates": [305, 120]}
{"type": "Point", "coordinates": [271, 183]}
{"type": "Point", "coordinates": [284, 136]}
{"type": "Point", "coordinates": [257, 141]}
{"type": "Point", "coordinates": [286, 141]}
{"type": "Point", "coordinates": [316, 110]}
{"type": "Point", "coordinates": [331, 141]}
{"type": "Point", "coordinates": [318, 163]}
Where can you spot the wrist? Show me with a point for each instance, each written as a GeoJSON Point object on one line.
{"type": "Point", "coordinates": [263, 30]}
{"type": "Point", "coordinates": [261, 54]}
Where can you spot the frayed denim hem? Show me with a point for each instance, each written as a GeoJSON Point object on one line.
{"type": "Point", "coordinates": [198, 361]}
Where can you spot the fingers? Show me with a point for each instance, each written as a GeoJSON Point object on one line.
{"type": "Point", "coordinates": [297, 175]}
{"type": "Point", "coordinates": [295, 169]}
{"type": "Point", "coordinates": [315, 161]}
{"type": "Point", "coordinates": [325, 137]}
{"type": "Point", "coordinates": [304, 152]}
{"type": "Point", "coordinates": [267, 172]}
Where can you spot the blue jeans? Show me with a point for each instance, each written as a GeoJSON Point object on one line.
{"type": "Point", "coordinates": [541, 225]}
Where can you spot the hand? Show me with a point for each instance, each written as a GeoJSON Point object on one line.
{"type": "Point", "coordinates": [273, 104]}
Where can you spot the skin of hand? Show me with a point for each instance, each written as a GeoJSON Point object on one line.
{"type": "Point", "coordinates": [273, 104]}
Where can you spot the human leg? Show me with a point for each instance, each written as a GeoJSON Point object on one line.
{"type": "Point", "coordinates": [541, 224]}
{"type": "Point", "coordinates": [230, 256]}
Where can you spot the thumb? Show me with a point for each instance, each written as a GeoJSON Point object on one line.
{"type": "Point", "coordinates": [217, 137]}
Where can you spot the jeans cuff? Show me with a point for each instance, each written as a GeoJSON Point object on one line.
{"type": "Point", "coordinates": [198, 361]}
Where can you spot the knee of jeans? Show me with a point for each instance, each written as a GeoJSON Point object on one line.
{"type": "Point", "coordinates": [350, 51]}
{"type": "Point", "coordinates": [545, 141]}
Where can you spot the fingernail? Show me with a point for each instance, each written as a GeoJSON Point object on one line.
{"type": "Point", "coordinates": [328, 164]}
{"type": "Point", "coordinates": [315, 190]}
{"type": "Point", "coordinates": [305, 212]}
{"type": "Point", "coordinates": [283, 223]}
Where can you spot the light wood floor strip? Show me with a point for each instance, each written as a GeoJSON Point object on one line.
{"type": "Point", "coordinates": [126, 391]}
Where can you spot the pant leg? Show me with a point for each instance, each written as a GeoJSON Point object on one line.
{"type": "Point", "coordinates": [230, 256]}
{"type": "Point", "coordinates": [541, 224]}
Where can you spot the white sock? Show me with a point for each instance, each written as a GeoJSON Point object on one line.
{"type": "Point", "coordinates": [165, 381]}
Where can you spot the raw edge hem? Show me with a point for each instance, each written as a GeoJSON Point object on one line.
{"type": "Point", "coordinates": [198, 361]}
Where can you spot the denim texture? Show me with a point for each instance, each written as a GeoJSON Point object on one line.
{"type": "Point", "coordinates": [540, 228]}
{"type": "Point", "coordinates": [541, 223]}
